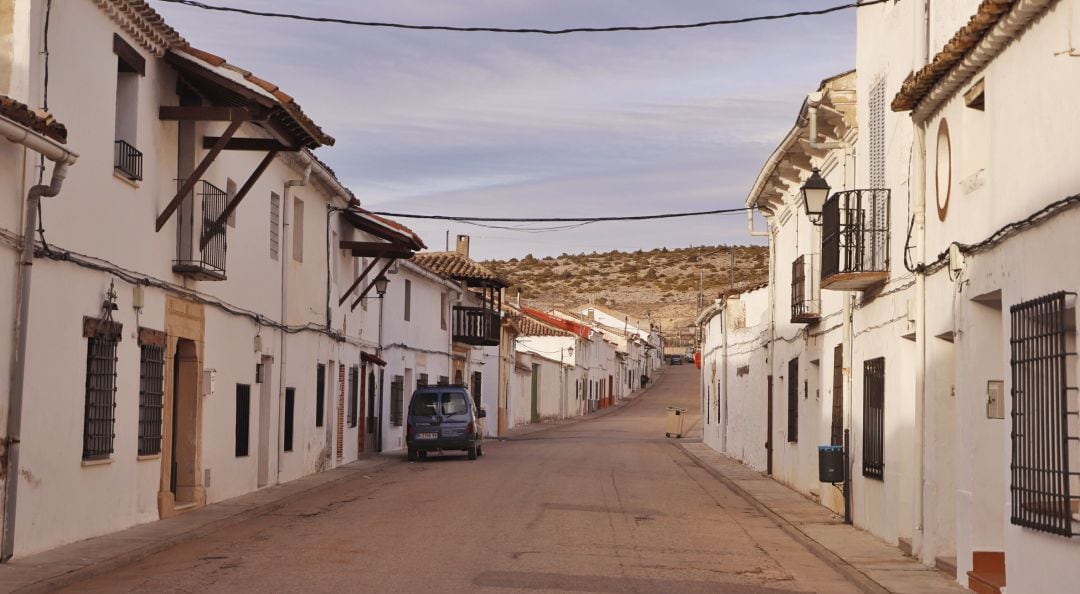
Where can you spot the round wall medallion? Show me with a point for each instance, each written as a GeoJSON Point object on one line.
{"type": "Point", "coordinates": [943, 179]}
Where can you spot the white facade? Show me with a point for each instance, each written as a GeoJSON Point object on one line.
{"type": "Point", "coordinates": [274, 313]}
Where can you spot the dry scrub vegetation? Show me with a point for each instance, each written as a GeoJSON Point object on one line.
{"type": "Point", "coordinates": [663, 281]}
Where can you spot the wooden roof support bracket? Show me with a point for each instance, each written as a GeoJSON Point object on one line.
{"type": "Point", "coordinates": [371, 285]}
{"type": "Point", "coordinates": [219, 224]}
{"type": "Point", "coordinates": [251, 144]}
{"type": "Point", "coordinates": [377, 249]}
{"type": "Point", "coordinates": [189, 183]}
{"type": "Point", "coordinates": [356, 283]}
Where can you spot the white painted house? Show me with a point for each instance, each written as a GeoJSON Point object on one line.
{"type": "Point", "coordinates": [950, 359]}
{"type": "Point", "coordinates": [182, 342]}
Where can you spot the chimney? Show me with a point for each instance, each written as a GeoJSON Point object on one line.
{"type": "Point", "coordinates": [592, 314]}
{"type": "Point", "coordinates": [463, 245]}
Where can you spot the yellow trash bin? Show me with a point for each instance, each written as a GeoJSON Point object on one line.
{"type": "Point", "coordinates": [675, 416]}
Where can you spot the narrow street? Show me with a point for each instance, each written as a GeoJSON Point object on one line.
{"type": "Point", "coordinates": [604, 505]}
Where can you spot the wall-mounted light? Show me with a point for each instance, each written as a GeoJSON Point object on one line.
{"type": "Point", "coordinates": [814, 194]}
{"type": "Point", "coordinates": [380, 285]}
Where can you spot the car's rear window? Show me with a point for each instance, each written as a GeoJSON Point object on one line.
{"type": "Point", "coordinates": [425, 405]}
{"type": "Point", "coordinates": [454, 403]}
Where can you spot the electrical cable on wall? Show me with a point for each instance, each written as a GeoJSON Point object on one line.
{"type": "Point", "coordinates": [459, 29]}
{"type": "Point", "coordinates": [473, 219]}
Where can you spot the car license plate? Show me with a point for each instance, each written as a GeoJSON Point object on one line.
{"type": "Point", "coordinates": [427, 436]}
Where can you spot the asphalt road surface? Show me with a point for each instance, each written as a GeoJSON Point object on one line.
{"type": "Point", "coordinates": [603, 505]}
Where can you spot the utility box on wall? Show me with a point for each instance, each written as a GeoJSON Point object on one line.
{"type": "Point", "coordinates": [995, 399]}
{"type": "Point", "coordinates": [209, 376]}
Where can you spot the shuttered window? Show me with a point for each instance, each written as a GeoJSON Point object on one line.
{"type": "Point", "coordinates": [99, 421]}
{"type": "Point", "coordinates": [298, 230]}
{"type": "Point", "coordinates": [243, 419]}
{"type": "Point", "coordinates": [837, 432]}
{"type": "Point", "coordinates": [874, 418]}
{"type": "Point", "coordinates": [793, 400]}
{"type": "Point", "coordinates": [1045, 481]}
{"type": "Point", "coordinates": [151, 390]}
{"type": "Point", "coordinates": [879, 205]}
{"type": "Point", "coordinates": [275, 225]}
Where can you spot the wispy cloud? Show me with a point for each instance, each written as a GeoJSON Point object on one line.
{"type": "Point", "coordinates": [530, 125]}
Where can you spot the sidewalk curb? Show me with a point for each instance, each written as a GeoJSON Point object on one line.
{"type": "Point", "coordinates": [545, 427]}
{"type": "Point", "coordinates": [131, 556]}
{"type": "Point", "coordinates": [860, 579]}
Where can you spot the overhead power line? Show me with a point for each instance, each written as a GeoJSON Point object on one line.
{"type": "Point", "coordinates": [468, 219]}
{"type": "Point", "coordinates": [358, 23]}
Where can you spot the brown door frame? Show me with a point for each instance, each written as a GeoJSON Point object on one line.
{"type": "Point", "coordinates": [184, 321]}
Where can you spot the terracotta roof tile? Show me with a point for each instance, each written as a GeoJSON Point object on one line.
{"type": "Point", "coordinates": [458, 267]}
{"type": "Point", "coordinates": [918, 84]}
{"type": "Point", "coordinates": [38, 121]}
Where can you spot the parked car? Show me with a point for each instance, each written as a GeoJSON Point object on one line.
{"type": "Point", "coordinates": [676, 360]}
{"type": "Point", "coordinates": [443, 418]}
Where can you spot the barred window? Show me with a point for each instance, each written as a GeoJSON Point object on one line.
{"type": "Point", "coordinates": [99, 421]}
{"type": "Point", "coordinates": [354, 394]}
{"type": "Point", "coordinates": [1045, 481]}
{"type": "Point", "coordinates": [397, 400]}
{"type": "Point", "coordinates": [874, 418]}
{"type": "Point", "coordinates": [793, 401]}
{"type": "Point", "coordinates": [151, 390]}
{"type": "Point", "coordinates": [421, 380]}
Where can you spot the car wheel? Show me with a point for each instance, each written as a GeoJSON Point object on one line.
{"type": "Point", "coordinates": [472, 452]}
{"type": "Point", "coordinates": [480, 450]}
{"type": "Point", "coordinates": [412, 454]}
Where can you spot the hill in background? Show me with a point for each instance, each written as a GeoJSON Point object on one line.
{"type": "Point", "coordinates": [662, 282]}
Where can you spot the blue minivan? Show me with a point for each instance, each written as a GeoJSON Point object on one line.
{"type": "Point", "coordinates": [443, 418]}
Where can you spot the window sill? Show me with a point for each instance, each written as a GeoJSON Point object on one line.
{"type": "Point", "coordinates": [102, 462]}
{"type": "Point", "coordinates": [127, 180]}
{"type": "Point", "coordinates": [142, 457]}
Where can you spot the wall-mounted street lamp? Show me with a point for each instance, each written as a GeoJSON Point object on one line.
{"type": "Point", "coordinates": [380, 285]}
{"type": "Point", "coordinates": [814, 194]}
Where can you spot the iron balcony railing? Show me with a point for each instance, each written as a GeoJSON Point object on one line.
{"type": "Point", "coordinates": [805, 290]}
{"type": "Point", "coordinates": [127, 160]}
{"type": "Point", "coordinates": [207, 263]}
{"type": "Point", "coordinates": [855, 239]}
{"type": "Point", "coordinates": [478, 326]}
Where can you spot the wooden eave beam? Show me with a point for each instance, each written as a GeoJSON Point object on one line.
{"type": "Point", "coordinates": [219, 225]}
{"type": "Point", "coordinates": [195, 175]}
{"type": "Point", "coordinates": [362, 249]}
{"type": "Point", "coordinates": [371, 285]}
{"type": "Point", "coordinates": [251, 144]}
{"type": "Point", "coordinates": [211, 113]}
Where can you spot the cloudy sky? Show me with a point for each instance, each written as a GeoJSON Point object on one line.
{"type": "Point", "coordinates": [530, 125]}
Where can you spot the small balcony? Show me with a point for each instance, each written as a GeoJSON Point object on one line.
{"type": "Point", "coordinates": [855, 240]}
{"type": "Point", "coordinates": [206, 205]}
{"type": "Point", "coordinates": [477, 326]}
{"type": "Point", "coordinates": [805, 290]}
{"type": "Point", "coordinates": [127, 160]}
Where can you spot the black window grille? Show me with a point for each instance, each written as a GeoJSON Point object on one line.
{"type": "Point", "coordinates": [354, 394]}
{"type": "Point", "coordinates": [477, 387]}
{"type": "Point", "coordinates": [243, 419]}
{"type": "Point", "coordinates": [1045, 482]}
{"type": "Point", "coordinates": [397, 400]}
{"type": "Point", "coordinates": [127, 160]}
{"type": "Point", "coordinates": [100, 404]}
{"type": "Point", "coordinates": [444, 380]}
{"type": "Point", "coordinates": [151, 396]}
{"type": "Point", "coordinates": [874, 418]}
{"type": "Point", "coordinates": [290, 406]}
{"type": "Point", "coordinates": [793, 400]}
{"type": "Point", "coordinates": [422, 380]}
{"type": "Point", "coordinates": [320, 394]}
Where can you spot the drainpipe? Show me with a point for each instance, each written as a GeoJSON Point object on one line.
{"type": "Point", "coordinates": [62, 159]}
{"type": "Point", "coordinates": [922, 38]}
{"type": "Point", "coordinates": [286, 254]}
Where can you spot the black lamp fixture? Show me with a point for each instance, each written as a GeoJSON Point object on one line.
{"type": "Point", "coordinates": [380, 285]}
{"type": "Point", "coordinates": [814, 194]}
